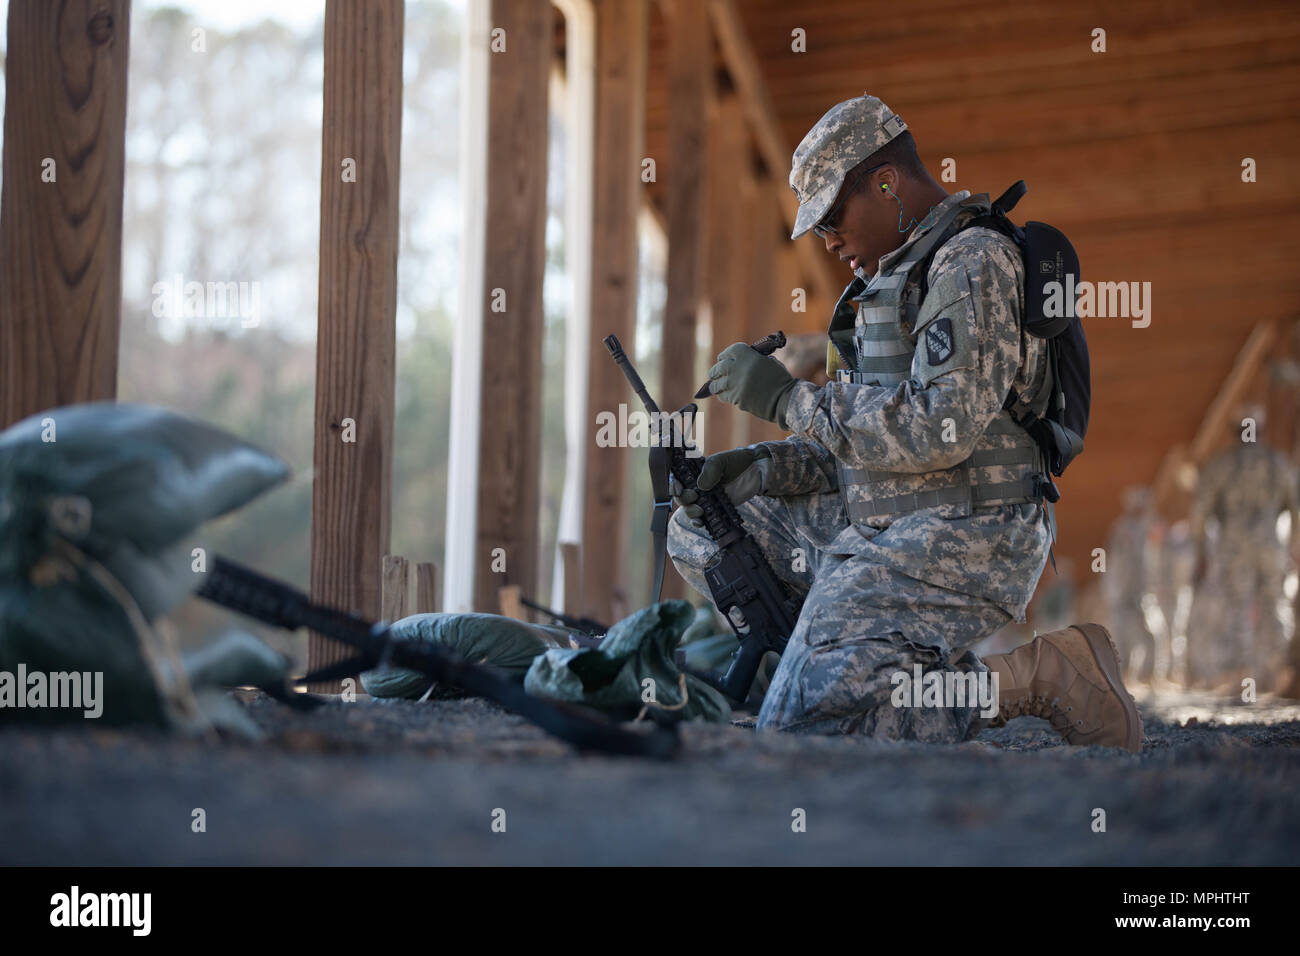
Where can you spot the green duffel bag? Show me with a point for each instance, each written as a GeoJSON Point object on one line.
{"type": "Point", "coordinates": [501, 642]}
{"type": "Point", "coordinates": [632, 668]}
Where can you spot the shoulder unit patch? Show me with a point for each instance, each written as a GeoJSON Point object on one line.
{"type": "Point", "coordinates": [938, 341]}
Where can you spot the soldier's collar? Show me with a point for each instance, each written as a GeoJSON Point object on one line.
{"type": "Point", "coordinates": [887, 260]}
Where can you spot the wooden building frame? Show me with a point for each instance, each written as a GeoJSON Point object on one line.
{"type": "Point", "coordinates": [708, 95]}
{"type": "Point", "coordinates": [60, 335]}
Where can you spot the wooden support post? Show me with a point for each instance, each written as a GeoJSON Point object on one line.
{"type": "Point", "coordinates": [426, 588]}
{"type": "Point", "coordinates": [571, 555]}
{"type": "Point", "coordinates": [745, 279]}
{"type": "Point", "coordinates": [621, 32]}
{"type": "Point", "coordinates": [506, 537]}
{"type": "Point", "coordinates": [743, 65]}
{"type": "Point", "coordinates": [690, 87]}
{"type": "Point", "coordinates": [768, 305]}
{"type": "Point", "coordinates": [355, 346]}
{"type": "Point", "coordinates": [788, 280]}
{"type": "Point", "coordinates": [727, 270]}
{"type": "Point", "coordinates": [508, 602]}
{"type": "Point", "coordinates": [61, 211]}
{"type": "Point", "coordinates": [765, 313]}
{"type": "Point", "coordinates": [395, 585]}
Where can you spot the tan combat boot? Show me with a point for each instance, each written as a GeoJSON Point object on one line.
{"type": "Point", "coordinates": [1070, 678]}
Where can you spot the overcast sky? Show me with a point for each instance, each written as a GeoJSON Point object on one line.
{"type": "Point", "coordinates": [232, 14]}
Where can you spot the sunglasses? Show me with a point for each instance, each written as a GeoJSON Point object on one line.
{"type": "Point", "coordinates": [828, 225]}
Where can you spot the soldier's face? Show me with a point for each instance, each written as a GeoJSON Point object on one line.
{"type": "Point", "coordinates": [864, 222]}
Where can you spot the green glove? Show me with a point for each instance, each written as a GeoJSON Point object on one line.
{"type": "Point", "coordinates": [737, 471]}
{"type": "Point", "coordinates": [751, 381]}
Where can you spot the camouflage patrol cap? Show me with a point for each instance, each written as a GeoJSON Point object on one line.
{"type": "Point", "coordinates": [848, 133]}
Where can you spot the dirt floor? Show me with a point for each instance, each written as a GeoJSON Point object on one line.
{"type": "Point", "coordinates": [418, 783]}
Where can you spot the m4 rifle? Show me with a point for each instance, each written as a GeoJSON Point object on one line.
{"type": "Point", "coordinates": [584, 631]}
{"type": "Point", "coordinates": [756, 603]}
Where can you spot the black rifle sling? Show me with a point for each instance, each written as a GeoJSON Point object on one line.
{"type": "Point", "coordinates": [663, 507]}
{"type": "Point", "coordinates": [272, 602]}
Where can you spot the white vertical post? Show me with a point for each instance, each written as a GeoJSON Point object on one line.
{"type": "Point", "coordinates": [467, 354]}
{"type": "Point", "coordinates": [580, 122]}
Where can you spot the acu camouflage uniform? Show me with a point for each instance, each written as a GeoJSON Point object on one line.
{"type": "Point", "coordinates": [894, 588]}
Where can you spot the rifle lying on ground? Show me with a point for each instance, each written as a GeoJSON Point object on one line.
{"type": "Point", "coordinates": [744, 587]}
{"type": "Point", "coordinates": [589, 632]}
{"type": "Point", "coordinates": [264, 599]}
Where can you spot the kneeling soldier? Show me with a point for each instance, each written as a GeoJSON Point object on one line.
{"type": "Point", "coordinates": [907, 505]}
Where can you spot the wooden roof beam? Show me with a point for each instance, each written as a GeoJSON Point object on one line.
{"type": "Point", "coordinates": [1245, 373]}
{"type": "Point", "coordinates": [1173, 479]}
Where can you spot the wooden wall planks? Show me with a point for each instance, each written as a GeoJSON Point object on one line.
{"type": "Point", "coordinates": [1135, 153]}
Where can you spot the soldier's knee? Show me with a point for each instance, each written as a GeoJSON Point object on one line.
{"type": "Point", "coordinates": [687, 543]}
{"type": "Point", "coordinates": [850, 689]}
{"type": "Point", "coordinates": [676, 534]}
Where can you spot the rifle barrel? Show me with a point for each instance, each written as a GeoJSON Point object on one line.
{"type": "Point", "coordinates": [638, 386]}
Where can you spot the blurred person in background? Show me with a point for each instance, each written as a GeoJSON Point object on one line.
{"type": "Point", "coordinates": [1126, 583]}
{"type": "Point", "coordinates": [1244, 514]}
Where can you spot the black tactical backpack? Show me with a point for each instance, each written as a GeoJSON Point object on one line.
{"type": "Point", "coordinates": [1048, 257]}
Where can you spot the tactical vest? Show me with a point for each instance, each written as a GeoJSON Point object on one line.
{"type": "Point", "coordinates": [1006, 465]}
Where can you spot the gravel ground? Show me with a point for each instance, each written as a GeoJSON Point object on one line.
{"type": "Point", "coordinates": [418, 783]}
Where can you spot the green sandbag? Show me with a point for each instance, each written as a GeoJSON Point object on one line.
{"type": "Point", "coordinates": [710, 653]}
{"type": "Point", "coordinates": [74, 626]}
{"type": "Point", "coordinates": [143, 478]}
{"type": "Point", "coordinates": [713, 653]}
{"type": "Point", "coordinates": [637, 648]}
{"type": "Point", "coordinates": [501, 642]}
{"type": "Point", "coordinates": [149, 476]}
{"type": "Point", "coordinates": [236, 659]}
{"type": "Point", "coordinates": [707, 647]}
{"type": "Point", "coordinates": [703, 625]}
